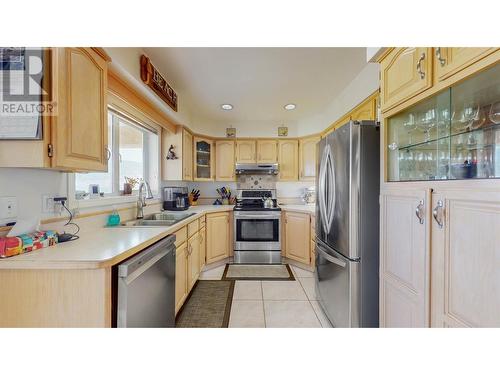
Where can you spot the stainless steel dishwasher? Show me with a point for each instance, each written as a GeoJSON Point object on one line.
{"type": "Point", "coordinates": [146, 287]}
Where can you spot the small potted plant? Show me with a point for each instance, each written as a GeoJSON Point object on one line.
{"type": "Point", "coordinates": [130, 184]}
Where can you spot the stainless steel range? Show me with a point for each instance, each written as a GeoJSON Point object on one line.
{"type": "Point", "coordinates": [257, 227]}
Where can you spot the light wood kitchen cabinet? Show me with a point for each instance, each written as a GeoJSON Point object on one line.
{"type": "Point", "coordinates": [404, 258]}
{"type": "Point", "coordinates": [405, 72]}
{"type": "Point", "coordinates": [307, 158]}
{"type": "Point", "coordinates": [245, 151]}
{"type": "Point", "coordinates": [451, 60]}
{"type": "Point", "coordinates": [80, 131]}
{"type": "Point", "coordinates": [218, 233]}
{"type": "Point", "coordinates": [465, 267]}
{"type": "Point", "coordinates": [267, 151]}
{"type": "Point", "coordinates": [297, 237]}
{"type": "Point", "coordinates": [181, 276]}
{"type": "Point", "coordinates": [224, 161]}
{"type": "Point", "coordinates": [203, 159]}
{"type": "Point", "coordinates": [366, 110]}
{"type": "Point", "coordinates": [203, 247]}
{"type": "Point", "coordinates": [288, 160]}
{"type": "Point", "coordinates": [187, 155]}
{"type": "Point", "coordinates": [193, 261]}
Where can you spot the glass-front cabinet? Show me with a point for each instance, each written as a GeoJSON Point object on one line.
{"type": "Point", "coordinates": [452, 135]}
{"type": "Point", "coordinates": [203, 159]}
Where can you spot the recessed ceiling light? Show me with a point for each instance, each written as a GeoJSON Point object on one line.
{"type": "Point", "coordinates": [226, 107]}
{"type": "Point", "coordinates": [290, 106]}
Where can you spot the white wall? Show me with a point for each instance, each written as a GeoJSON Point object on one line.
{"type": "Point", "coordinates": [28, 185]}
{"type": "Point", "coordinates": [365, 84]}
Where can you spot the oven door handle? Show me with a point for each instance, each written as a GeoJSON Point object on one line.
{"type": "Point", "coordinates": [271, 217]}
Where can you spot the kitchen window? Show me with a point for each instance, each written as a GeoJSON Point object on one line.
{"type": "Point", "coordinates": [133, 153]}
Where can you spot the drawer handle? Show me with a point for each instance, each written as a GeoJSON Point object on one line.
{"type": "Point", "coordinates": [419, 66]}
{"type": "Point", "coordinates": [442, 61]}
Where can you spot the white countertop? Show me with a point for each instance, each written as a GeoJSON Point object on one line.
{"type": "Point", "coordinates": [101, 248]}
{"type": "Point", "coordinates": [305, 208]}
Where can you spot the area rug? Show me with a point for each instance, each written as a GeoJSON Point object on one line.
{"type": "Point", "coordinates": [258, 272]}
{"type": "Point", "coordinates": [208, 305]}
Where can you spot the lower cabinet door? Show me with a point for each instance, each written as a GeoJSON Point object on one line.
{"type": "Point", "coordinates": [218, 228]}
{"type": "Point", "coordinates": [404, 258]}
{"type": "Point", "coordinates": [465, 259]}
{"type": "Point", "coordinates": [203, 247]}
{"type": "Point", "coordinates": [193, 260]}
{"type": "Point", "coordinates": [180, 276]}
{"type": "Point", "coordinates": [297, 241]}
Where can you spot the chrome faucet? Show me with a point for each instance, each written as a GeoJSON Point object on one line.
{"type": "Point", "coordinates": [141, 202]}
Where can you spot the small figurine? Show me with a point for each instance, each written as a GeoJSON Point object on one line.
{"type": "Point", "coordinates": [171, 154]}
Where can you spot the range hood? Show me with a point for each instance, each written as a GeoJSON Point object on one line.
{"type": "Point", "coordinates": [256, 168]}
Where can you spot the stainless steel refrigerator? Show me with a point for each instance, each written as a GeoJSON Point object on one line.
{"type": "Point", "coordinates": [347, 224]}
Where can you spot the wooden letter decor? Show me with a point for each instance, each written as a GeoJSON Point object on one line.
{"type": "Point", "coordinates": [152, 77]}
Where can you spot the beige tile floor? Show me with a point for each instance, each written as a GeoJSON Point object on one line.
{"type": "Point", "coordinates": [273, 304]}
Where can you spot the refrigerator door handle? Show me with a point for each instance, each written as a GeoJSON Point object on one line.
{"type": "Point", "coordinates": [331, 259]}
{"type": "Point", "coordinates": [332, 193]}
{"type": "Point", "coordinates": [321, 190]}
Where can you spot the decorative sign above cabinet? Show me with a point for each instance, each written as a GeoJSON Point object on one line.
{"type": "Point", "coordinates": [153, 78]}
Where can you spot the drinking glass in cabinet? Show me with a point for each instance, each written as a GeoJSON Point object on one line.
{"type": "Point", "coordinates": [410, 125]}
{"type": "Point", "coordinates": [426, 122]}
{"type": "Point", "coordinates": [494, 113]}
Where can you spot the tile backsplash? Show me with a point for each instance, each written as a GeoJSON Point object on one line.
{"type": "Point", "coordinates": [256, 182]}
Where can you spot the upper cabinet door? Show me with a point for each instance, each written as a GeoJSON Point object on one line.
{"type": "Point", "coordinates": [245, 152]}
{"type": "Point", "coordinates": [465, 258]}
{"type": "Point", "coordinates": [80, 134]}
{"type": "Point", "coordinates": [307, 158]}
{"type": "Point", "coordinates": [405, 72]}
{"type": "Point", "coordinates": [203, 159]}
{"type": "Point", "coordinates": [404, 258]}
{"type": "Point", "coordinates": [451, 60]}
{"type": "Point", "coordinates": [267, 151]}
{"type": "Point", "coordinates": [187, 155]}
{"type": "Point", "coordinates": [288, 160]}
{"type": "Point", "coordinates": [224, 163]}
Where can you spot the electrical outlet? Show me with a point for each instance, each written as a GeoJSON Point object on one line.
{"type": "Point", "coordinates": [8, 209]}
{"type": "Point", "coordinates": [48, 204]}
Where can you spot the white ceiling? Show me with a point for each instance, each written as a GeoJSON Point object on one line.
{"type": "Point", "coordinates": [258, 82]}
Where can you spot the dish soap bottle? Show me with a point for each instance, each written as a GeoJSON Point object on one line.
{"type": "Point", "coordinates": [114, 218]}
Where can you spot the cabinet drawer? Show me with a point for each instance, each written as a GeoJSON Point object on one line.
{"type": "Point", "coordinates": [180, 236]}
{"type": "Point", "coordinates": [192, 228]}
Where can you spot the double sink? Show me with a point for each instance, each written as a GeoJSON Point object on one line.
{"type": "Point", "coordinates": [162, 219]}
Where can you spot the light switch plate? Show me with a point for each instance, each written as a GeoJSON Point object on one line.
{"type": "Point", "coordinates": [8, 209]}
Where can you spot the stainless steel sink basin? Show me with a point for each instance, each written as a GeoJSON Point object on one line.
{"type": "Point", "coordinates": [161, 219]}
